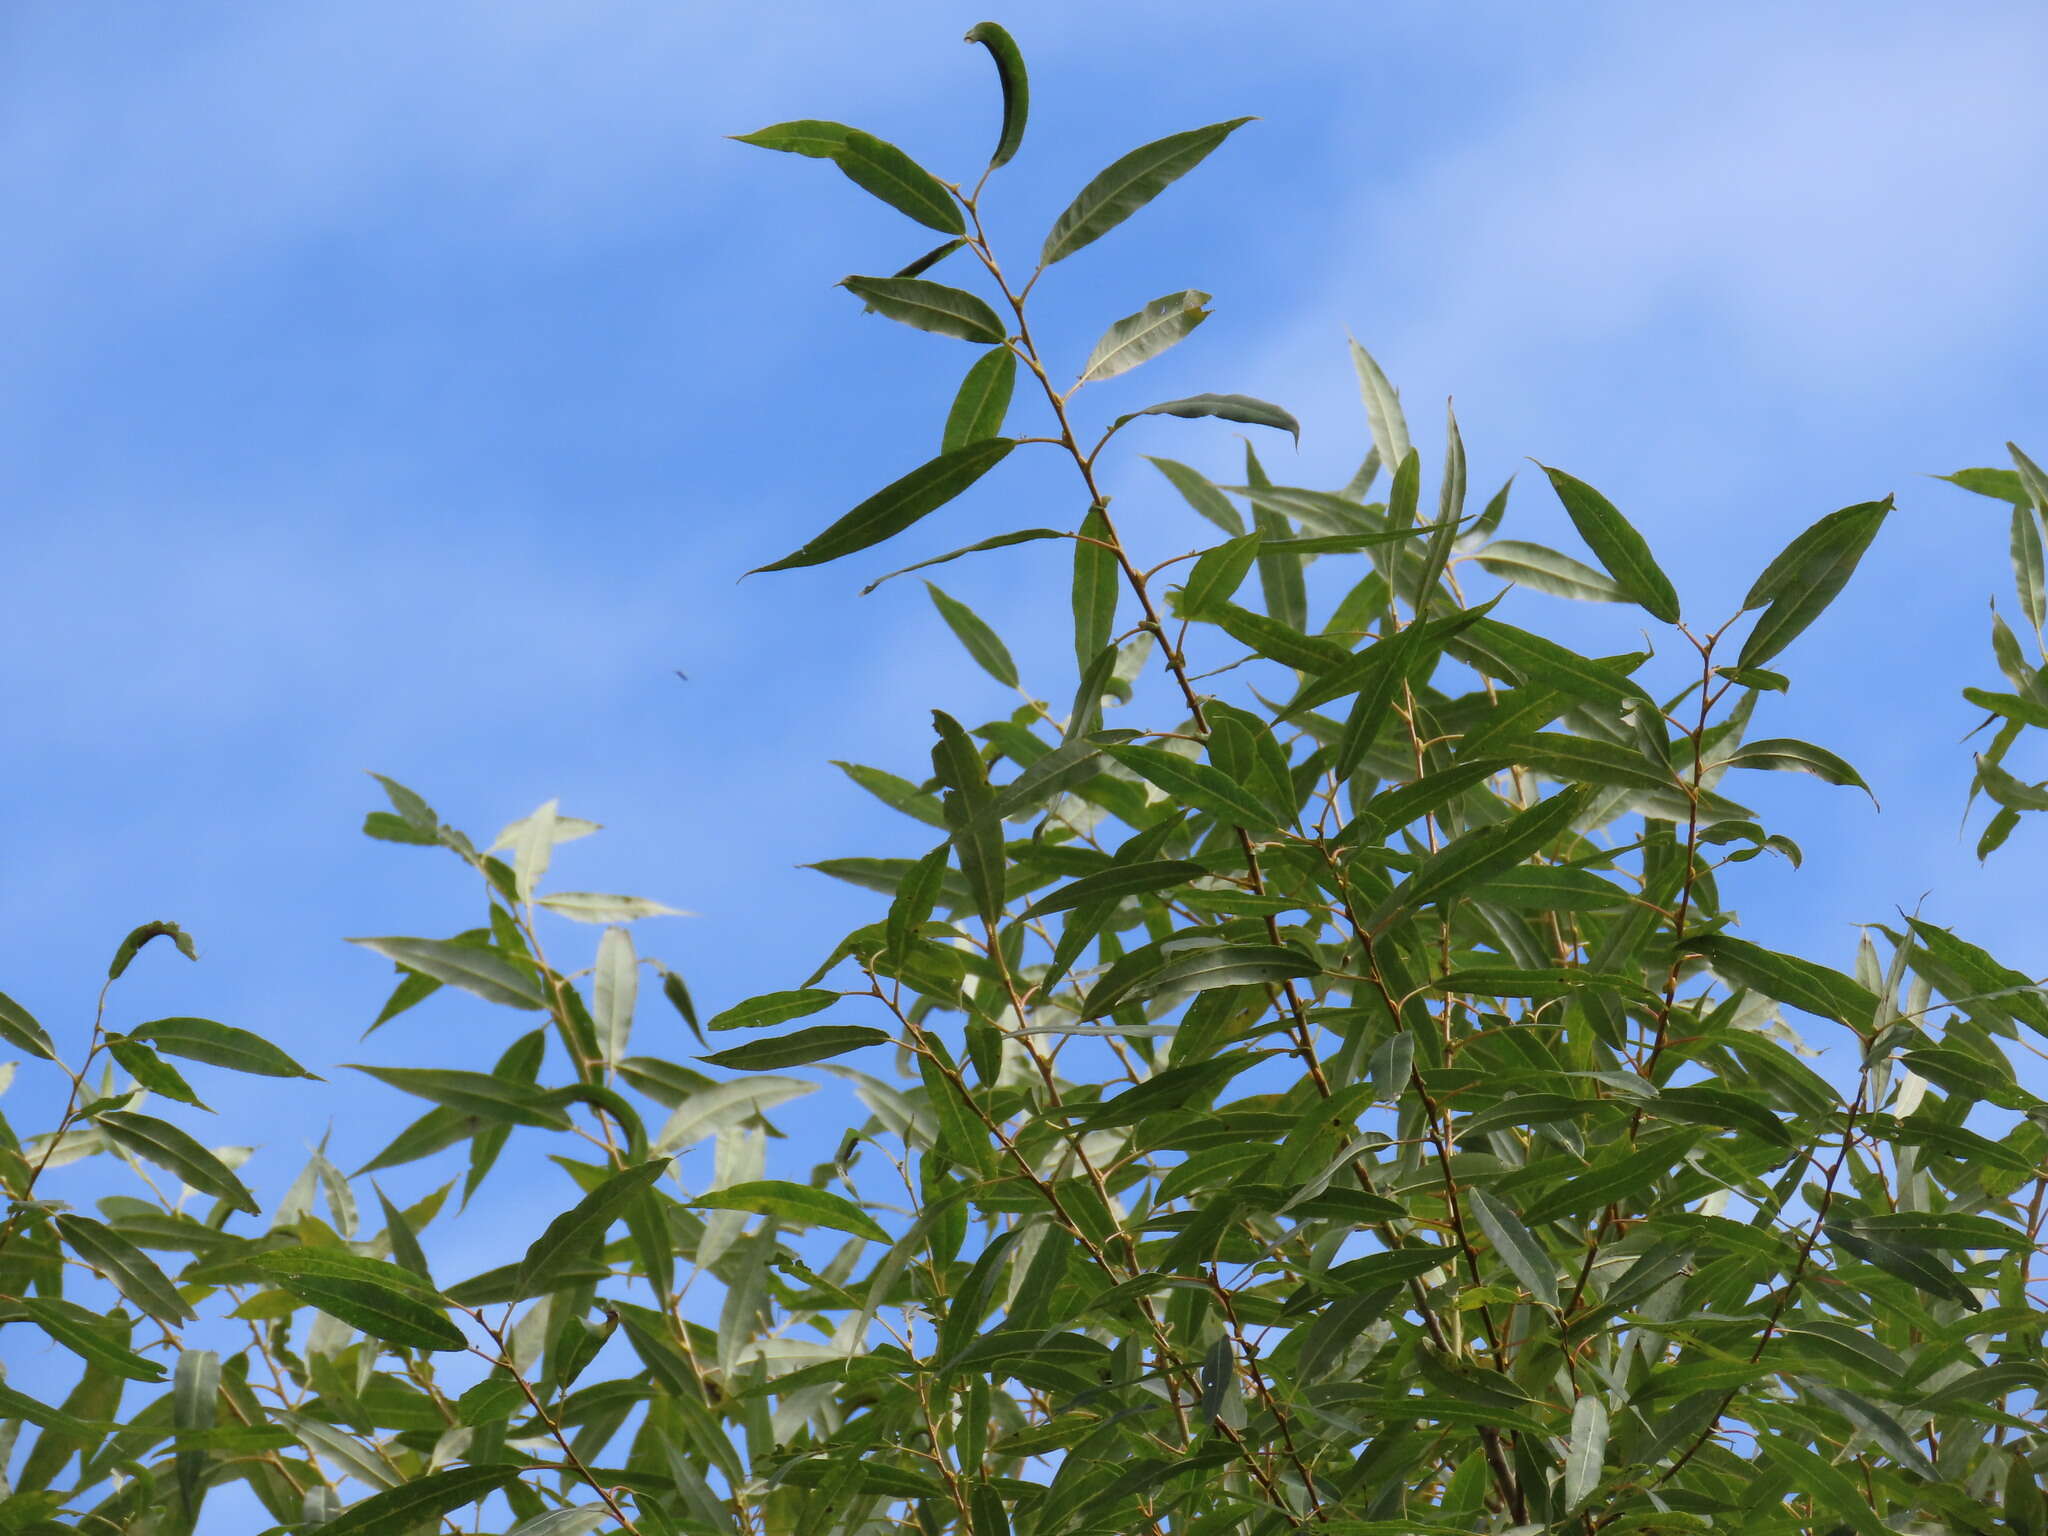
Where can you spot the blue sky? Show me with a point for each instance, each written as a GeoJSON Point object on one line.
{"type": "Point", "coordinates": [403, 388]}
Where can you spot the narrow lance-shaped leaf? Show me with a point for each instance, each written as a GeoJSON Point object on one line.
{"type": "Point", "coordinates": [1140, 337]}
{"type": "Point", "coordinates": [928, 306]}
{"type": "Point", "coordinates": [1787, 755]}
{"type": "Point", "coordinates": [383, 1300]}
{"type": "Point", "coordinates": [133, 1273]}
{"type": "Point", "coordinates": [772, 1008]}
{"type": "Point", "coordinates": [1586, 1456]}
{"type": "Point", "coordinates": [1515, 1245]}
{"type": "Point", "coordinates": [1128, 185]}
{"type": "Point", "coordinates": [1382, 407]}
{"type": "Point", "coordinates": [982, 403]}
{"type": "Point", "coordinates": [1123, 880]}
{"type": "Point", "coordinates": [1800, 583]}
{"type": "Point", "coordinates": [2027, 574]}
{"type": "Point", "coordinates": [1617, 545]}
{"type": "Point", "coordinates": [877, 166]}
{"type": "Point", "coordinates": [1214, 578]}
{"type": "Point", "coordinates": [571, 1236]}
{"type": "Point", "coordinates": [615, 992]}
{"type": "Point", "coordinates": [18, 1027]}
{"type": "Point", "coordinates": [1097, 585]}
{"type": "Point", "coordinates": [1473, 858]}
{"type": "Point", "coordinates": [1154, 972]}
{"type": "Point", "coordinates": [808, 136]}
{"type": "Point", "coordinates": [484, 972]}
{"type": "Point", "coordinates": [1255, 413]}
{"type": "Point", "coordinates": [168, 1147]}
{"type": "Point", "coordinates": [1016, 85]}
{"type": "Point", "coordinates": [798, 1204]}
{"type": "Point", "coordinates": [218, 1045]}
{"type": "Point", "coordinates": [412, 1505]}
{"type": "Point", "coordinates": [495, 1100]}
{"type": "Point", "coordinates": [899, 504]}
{"type": "Point", "coordinates": [1197, 784]}
{"type": "Point", "coordinates": [1546, 570]}
{"type": "Point", "coordinates": [1201, 493]}
{"type": "Point", "coordinates": [819, 1043]}
{"type": "Point", "coordinates": [1000, 541]}
{"type": "Point", "coordinates": [980, 642]}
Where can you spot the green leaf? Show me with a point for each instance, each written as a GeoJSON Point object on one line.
{"type": "Point", "coordinates": [18, 1027]}
{"type": "Point", "coordinates": [2027, 575]}
{"type": "Point", "coordinates": [131, 1271]}
{"type": "Point", "coordinates": [1097, 585]}
{"type": "Point", "coordinates": [388, 1303]}
{"type": "Point", "coordinates": [1196, 966]}
{"type": "Point", "coordinates": [412, 1505]}
{"type": "Point", "coordinates": [2033, 479]}
{"type": "Point", "coordinates": [1617, 545]}
{"type": "Point", "coordinates": [1803, 580]}
{"type": "Point", "coordinates": [497, 1100]}
{"type": "Point", "coordinates": [797, 1050]}
{"type": "Point", "coordinates": [1787, 755]}
{"type": "Point", "coordinates": [805, 136]}
{"type": "Point", "coordinates": [597, 907]}
{"type": "Point", "coordinates": [1000, 541]}
{"type": "Point", "coordinates": [1217, 575]}
{"type": "Point", "coordinates": [879, 167]}
{"type": "Point", "coordinates": [572, 1236]}
{"type": "Point", "coordinates": [1016, 86]}
{"type": "Point", "coordinates": [1139, 338]}
{"type": "Point", "coordinates": [168, 1147]}
{"type": "Point", "coordinates": [1787, 978]}
{"type": "Point", "coordinates": [1999, 484]}
{"type": "Point", "coordinates": [1115, 883]}
{"type": "Point", "coordinates": [981, 642]}
{"type": "Point", "coordinates": [1198, 785]}
{"type": "Point", "coordinates": [1468, 861]}
{"type": "Point", "coordinates": [979, 409]}
{"type": "Point", "coordinates": [1821, 1480]}
{"type": "Point", "coordinates": [131, 945]}
{"type": "Point", "coordinates": [218, 1045]}
{"type": "Point", "coordinates": [1382, 408]}
{"type": "Point", "coordinates": [1586, 1457]}
{"type": "Point", "coordinates": [475, 969]}
{"type": "Point", "coordinates": [1128, 185]}
{"type": "Point", "coordinates": [1515, 1245]}
{"type": "Point", "coordinates": [932, 257]}
{"type": "Point", "coordinates": [1254, 413]}
{"type": "Point", "coordinates": [928, 306]}
{"type": "Point", "coordinates": [898, 505]}
{"type": "Point", "coordinates": [94, 1339]}
{"type": "Point", "coordinates": [1201, 493]}
{"type": "Point", "coordinates": [797, 1204]}
{"type": "Point", "coordinates": [1545, 570]}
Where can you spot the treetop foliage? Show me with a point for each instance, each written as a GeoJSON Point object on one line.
{"type": "Point", "coordinates": [1345, 1103]}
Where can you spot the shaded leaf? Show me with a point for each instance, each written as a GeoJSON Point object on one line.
{"type": "Point", "coordinates": [797, 1050]}
{"type": "Point", "coordinates": [1796, 587]}
{"type": "Point", "coordinates": [218, 1045]}
{"type": "Point", "coordinates": [424, 1499]}
{"type": "Point", "coordinates": [980, 642]}
{"type": "Point", "coordinates": [571, 1236]}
